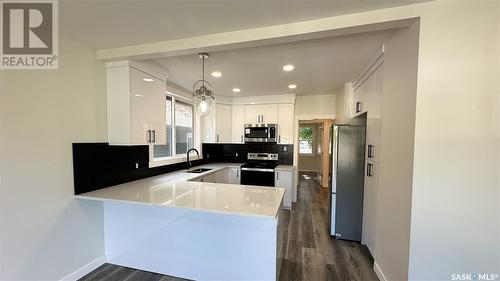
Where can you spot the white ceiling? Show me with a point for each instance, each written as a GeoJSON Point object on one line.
{"type": "Point", "coordinates": [115, 23]}
{"type": "Point", "coordinates": [321, 66]}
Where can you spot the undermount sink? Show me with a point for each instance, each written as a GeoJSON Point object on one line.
{"type": "Point", "coordinates": [198, 171]}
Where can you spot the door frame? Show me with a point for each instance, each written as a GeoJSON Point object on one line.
{"type": "Point", "coordinates": [298, 118]}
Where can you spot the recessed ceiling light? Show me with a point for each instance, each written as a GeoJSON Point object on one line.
{"type": "Point", "coordinates": [216, 74]}
{"type": "Point", "coordinates": [138, 95]}
{"type": "Point", "coordinates": [292, 86]}
{"type": "Point", "coordinates": [147, 79]}
{"type": "Point", "coordinates": [236, 90]}
{"type": "Point", "coordinates": [288, 67]}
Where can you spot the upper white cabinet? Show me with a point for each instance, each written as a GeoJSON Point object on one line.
{"type": "Point", "coordinates": [285, 123]}
{"type": "Point", "coordinates": [238, 124]}
{"type": "Point", "coordinates": [359, 100]}
{"type": "Point", "coordinates": [136, 105]}
{"type": "Point", "coordinates": [261, 114]}
{"type": "Point", "coordinates": [223, 124]}
{"type": "Point", "coordinates": [226, 123]}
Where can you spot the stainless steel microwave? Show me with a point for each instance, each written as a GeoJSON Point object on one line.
{"type": "Point", "coordinates": [260, 132]}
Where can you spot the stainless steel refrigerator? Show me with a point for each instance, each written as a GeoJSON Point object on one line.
{"type": "Point", "coordinates": [347, 178]}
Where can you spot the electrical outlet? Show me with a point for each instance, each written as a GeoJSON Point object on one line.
{"type": "Point", "coordinates": [236, 154]}
{"type": "Point", "coordinates": [137, 165]}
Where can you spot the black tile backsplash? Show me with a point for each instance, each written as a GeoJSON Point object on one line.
{"type": "Point", "coordinates": [100, 165]}
{"type": "Point", "coordinates": [237, 153]}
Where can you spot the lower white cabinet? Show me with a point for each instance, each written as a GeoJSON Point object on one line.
{"type": "Point", "coordinates": [233, 175]}
{"type": "Point", "coordinates": [220, 176]}
{"type": "Point", "coordinates": [285, 179]}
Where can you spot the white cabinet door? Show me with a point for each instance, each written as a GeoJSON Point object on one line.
{"type": "Point", "coordinates": [223, 124]}
{"type": "Point", "coordinates": [285, 123]}
{"type": "Point", "coordinates": [269, 113]}
{"type": "Point", "coordinates": [373, 95]}
{"type": "Point", "coordinates": [238, 124]}
{"type": "Point", "coordinates": [359, 99]}
{"type": "Point", "coordinates": [139, 107]}
{"type": "Point", "coordinates": [252, 114]}
{"type": "Point", "coordinates": [157, 116]}
{"type": "Point", "coordinates": [221, 176]}
{"type": "Point", "coordinates": [370, 206]}
{"type": "Point", "coordinates": [233, 175]}
{"type": "Point", "coordinates": [210, 178]}
{"type": "Point", "coordinates": [261, 114]}
{"type": "Point", "coordinates": [209, 127]}
{"type": "Point", "coordinates": [285, 179]}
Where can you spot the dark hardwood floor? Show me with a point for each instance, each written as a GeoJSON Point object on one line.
{"type": "Point", "coordinates": [311, 255]}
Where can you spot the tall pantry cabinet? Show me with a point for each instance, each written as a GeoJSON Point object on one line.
{"type": "Point", "coordinates": [367, 98]}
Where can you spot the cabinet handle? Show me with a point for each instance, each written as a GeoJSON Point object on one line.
{"type": "Point", "coordinates": [237, 173]}
{"type": "Point", "coordinates": [370, 151]}
{"type": "Point", "coordinates": [217, 138]}
{"type": "Point", "coordinates": [279, 139]}
{"type": "Point", "coordinates": [241, 138]}
{"type": "Point", "coordinates": [369, 170]}
{"type": "Point", "coordinates": [277, 175]}
{"type": "Point", "coordinates": [154, 136]}
{"type": "Point", "coordinates": [262, 118]}
{"type": "Point", "coordinates": [149, 136]}
{"type": "Point", "coordinates": [358, 107]}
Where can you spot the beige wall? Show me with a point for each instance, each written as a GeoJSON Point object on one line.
{"type": "Point", "coordinates": [455, 214]}
{"type": "Point", "coordinates": [315, 105]}
{"type": "Point", "coordinates": [45, 233]}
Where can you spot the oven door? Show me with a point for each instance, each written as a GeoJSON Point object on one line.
{"type": "Point", "coordinates": [257, 176]}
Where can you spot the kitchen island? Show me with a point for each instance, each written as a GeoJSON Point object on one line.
{"type": "Point", "coordinates": [174, 225]}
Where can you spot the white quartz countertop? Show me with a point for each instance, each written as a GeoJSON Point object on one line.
{"type": "Point", "coordinates": [175, 190]}
{"type": "Point", "coordinates": [284, 167]}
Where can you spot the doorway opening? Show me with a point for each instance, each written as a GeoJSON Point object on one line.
{"type": "Point", "coordinates": [314, 145]}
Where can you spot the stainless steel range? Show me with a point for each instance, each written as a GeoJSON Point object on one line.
{"type": "Point", "coordinates": [259, 169]}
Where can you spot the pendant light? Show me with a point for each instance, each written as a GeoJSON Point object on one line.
{"type": "Point", "coordinates": [203, 92]}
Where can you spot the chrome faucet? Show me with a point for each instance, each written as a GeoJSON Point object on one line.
{"type": "Point", "coordinates": [187, 156]}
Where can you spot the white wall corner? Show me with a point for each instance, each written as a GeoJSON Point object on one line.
{"type": "Point", "coordinates": [86, 269]}
{"type": "Point", "coordinates": [378, 271]}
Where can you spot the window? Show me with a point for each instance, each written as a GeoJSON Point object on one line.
{"type": "Point", "coordinates": [305, 140]}
{"type": "Point", "coordinates": [179, 126]}
{"type": "Point", "coordinates": [183, 127]}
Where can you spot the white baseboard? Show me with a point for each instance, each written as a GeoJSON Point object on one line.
{"type": "Point", "coordinates": [84, 270]}
{"type": "Point", "coordinates": [379, 272]}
